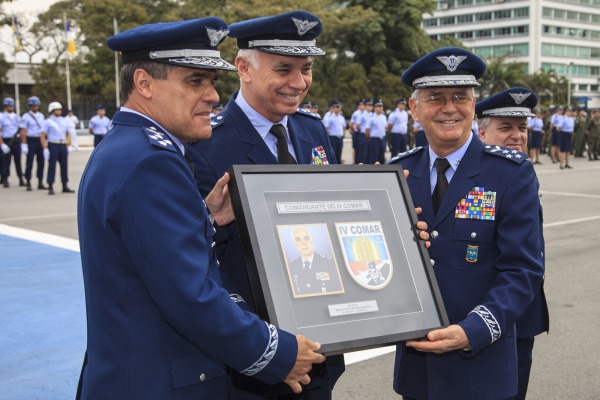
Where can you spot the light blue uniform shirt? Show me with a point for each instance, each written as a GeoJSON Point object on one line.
{"type": "Point", "coordinates": [356, 116]}
{"type": "Point", "coordinates": [377, 125]}
{"type": "Point", "coordinates": [263, 126]}
{"type": "Point", "coordinates": [453, 158]}
{"type": "Point", "coordinates": [556, 120]}
{"type": "Point", "coordinates": [536, 124]}
{"type": "Point", "coordinates": [9, 123]}
{"type": "Point", "coordinates": [100, 126]}
{"type": "Point", "coordinates": [335, 124]}
{"type": "Point", "coordinates": [399, 121]}
{"type": "Point", "coordinates": [56, 128]}
{"type": "Point", "coordinates": [363, 120]}
{"type": "Point", "coordinates": [32, 122]}
{"type": "Point", "coordinates": [567, 124]}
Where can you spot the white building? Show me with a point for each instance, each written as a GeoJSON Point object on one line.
{"type": "Point", "coordinates": [562, 35]}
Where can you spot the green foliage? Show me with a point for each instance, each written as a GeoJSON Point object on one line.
{"type": "Point", "coordinates": [501, 75]}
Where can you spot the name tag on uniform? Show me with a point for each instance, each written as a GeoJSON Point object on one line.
{"type": "Point", "coordinates": [478, 204]}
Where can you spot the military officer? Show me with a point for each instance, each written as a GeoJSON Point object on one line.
{"type": "Point", "coordinates": [503, 122]}
{"type": "Point", "coordinates": [10, 143]}
{"type": "Point", "coordinates": [335, 123]}
{"type": "Point", "coordinates": [160, 325]}
{"type": "Point", "coordinates": [99, 124]}
{"type": "Point", "coordinates": [556, 121]}
{"type": "Point", "coordinates": [536, 128]}
{"type": "Point", "coordinates": [30, 130]}
{"type": "Point", "coordinates": [375, 130]}
{"type": "Point", "coordinates": [398, 127]}
{"type": "Point", "coordinates": [360, 108]}
{"type": "Point", "coordinates": [55, 140]}
{"type": "Point", "coordinates": [592, 131]}
{"type": "Point", "coordinates": [262, 124]}
{"type": "Point", "coordinates": [565, 130]}
{"type": "Point", "coordinates": [363, 140]}
{"type": "Point", "coordinates": [480, 203]}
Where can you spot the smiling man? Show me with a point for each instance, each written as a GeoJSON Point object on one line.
{"type": "Point", "coordinates": [481, 205]}
{"type": "Point", "coordinates": [160, 325]}
{"type": "Point", "coordinates": [262, 124]}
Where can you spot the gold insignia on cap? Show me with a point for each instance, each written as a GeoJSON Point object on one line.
{"type": "Point", "coordinates": [304, 25]}
{"type": "Point", "coordinates": [451, 62]}
{"type": "Point", "coordinates": [519, 97]}
{"type": "Point", "coordinates": [216, 36]}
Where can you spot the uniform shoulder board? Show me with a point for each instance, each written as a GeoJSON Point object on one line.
{"type": "Point", "coordinates": [159, 138]}
{"type": "Point", "coordinates": [216, 121]}
{"type": "Point", "coordinates": [401, 156]}
{"type": "Point", "coordinates": [302, 111]}
{"type": "Point", "coordinates": [505, 152]}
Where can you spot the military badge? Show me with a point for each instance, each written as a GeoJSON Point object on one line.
{"type": "Point", "coordinates": [318, 156]}
{"type": "Point", "coordinates": [451, 62]}
{"type": "Point", "coordinates": [215, 36]}
{"type": "Point", "coordinates": [519, 97]}
{"type": "Point", "coordinates": [478, 204]}
{"type": "Point", "coordinates": [323, 276]}
{"type": "Point", "coordinates": [366, 253]}
{"type": "Point", "coordinates": [472, 253]}
{"type": "Point", "coordinates": [304, 25]}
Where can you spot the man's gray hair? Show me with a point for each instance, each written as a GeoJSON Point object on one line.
{"type": "Point", "coordinates": [484, 123]}
{"type": "Point", "coordinates": [249, 55]}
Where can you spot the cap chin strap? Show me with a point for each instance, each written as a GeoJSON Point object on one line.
{"type": "Point", "coordinates": [440, 78]}
{"type": "Point", "coordinates": [282, 43]}
{"type": "Point", "coordinates": [183, 53]}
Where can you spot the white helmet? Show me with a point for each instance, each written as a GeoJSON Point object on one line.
{"type": "Point", "coordinates": [55, 105]}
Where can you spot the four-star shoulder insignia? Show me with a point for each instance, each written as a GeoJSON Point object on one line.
{"type": "Point", "coordinates": [505, 152]}
{"type": "Point", "coordinates": [307, 113]}
{"type": "Point", "coordinates": [408, 153]}
{"type": "Point", "coordinates": [159, 139]}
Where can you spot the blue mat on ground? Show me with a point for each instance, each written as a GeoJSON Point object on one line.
{"type": "Point", "coordinates": [42, 321]}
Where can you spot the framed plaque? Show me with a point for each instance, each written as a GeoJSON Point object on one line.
{"type": "Point", "coordinates": [332, 253]}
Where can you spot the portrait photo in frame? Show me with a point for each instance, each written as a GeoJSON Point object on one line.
{"type": "Point", "coordinates": [377, 286]}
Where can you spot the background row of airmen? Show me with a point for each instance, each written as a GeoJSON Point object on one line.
{"type": "Point", "coordinates": [558, 132]}
{"type": "Point", "coordinates": [42, 139]}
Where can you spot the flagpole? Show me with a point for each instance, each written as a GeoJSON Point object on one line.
{"type": "Point", "coordinates": [67, 71]}
{"type": "Point", "coordinates": [117, 82]}
{"type": "Point", "coordinates": [16, 41]}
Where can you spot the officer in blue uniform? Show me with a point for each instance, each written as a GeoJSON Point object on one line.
{"type": "Point", "coordinates": [363, 140]}
{"type": "Point", "coordinates": [160, 324]}
{"type": "Point", "coordinates": [536, 130]}
{"type": "Point", "coordinates": [480, 203]}
{"type": "Point", "coordinates": [55, 140]}
{"type": "Point", "coordinates": [360, 108]}
{"type": "Point", "coordinates": [262, 124]}
{"type": "Point", "coordinates": [30, 129]}
{"type": "Point", "coordinates": [503, 121]}
{"type": "Point", "coordinates": [10, 143]}
{"type": "Point", "coordinates": [375, 131]}
{"type": "Point", "coordinates": [335, 123]}
{"type": "Point", "coordinates": [99, 124]}
{"type": "Point", "coordinates": [398, 127]}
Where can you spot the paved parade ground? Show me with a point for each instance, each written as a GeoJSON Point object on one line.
{"type": "Point", "coordinates": [42, 305]}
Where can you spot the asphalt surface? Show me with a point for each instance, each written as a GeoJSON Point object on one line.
{"type": "Point", "coordinates": [565, 361]}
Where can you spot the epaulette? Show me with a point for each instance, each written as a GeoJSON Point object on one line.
{"type": "Point", "coordinates": [216, 121]}
{"type": "Point", "coordinates": [505, 152]}
{"type": "Point", "coordinates": [303, 111]}
{"type": "Point", "coordinates": [159, 138]}
{"type": "Point", "coordinates": [408, 153]}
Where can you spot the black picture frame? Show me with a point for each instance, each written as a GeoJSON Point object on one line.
{"type": "Point", "coordinates": [372, 283]}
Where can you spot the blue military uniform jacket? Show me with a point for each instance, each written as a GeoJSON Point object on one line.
{"type": "Point", "coordinates": [160, 326]}
{"type": "Point", "coordinates": [488, 272]}
{"type": "Point", "coordinates": [235, 141]}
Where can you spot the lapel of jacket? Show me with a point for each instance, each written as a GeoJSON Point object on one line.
{"type": "Point", "coordinates": [300, 140]}
{"type": "Point", "coordinates": [418, 183]}
{"type": "Point", "coordinates": [462, 181]}
{"type": "Point", "coordinates": [258, 152]}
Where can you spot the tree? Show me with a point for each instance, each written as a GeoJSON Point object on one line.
{"type": "Point", "coordinates": [501, 75]}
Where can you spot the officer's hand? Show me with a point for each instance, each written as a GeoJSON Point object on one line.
{"type": "Point", "coordinates": [69, 149]}
{"type": "Point", "coordinates": [421, 225]}
{"type": "Point", "coordinates": [46, 154]}
{"type": "Point", "coordinates": [219, 202]}
{"type": "Point", "coordinates": [5, 148]}
{"type": "Point", "coordinates": [24, 148]}
{"type": "Point", "coordinates": [307, 356]}
{"type": "Point", "coordinates": [442, 340]}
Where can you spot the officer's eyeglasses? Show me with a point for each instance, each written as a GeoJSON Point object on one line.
{"type": "Point", "coordinates": [439, 100]}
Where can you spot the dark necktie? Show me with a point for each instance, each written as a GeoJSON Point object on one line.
{"type": "Point", "coordinates": [283, 154]}
{"type": "Point", "coordinates": [441, 166]}
{"type": "Point", "coordinates": [307, 265]}
{"type": "Point", "coordinates": [188, 158]}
